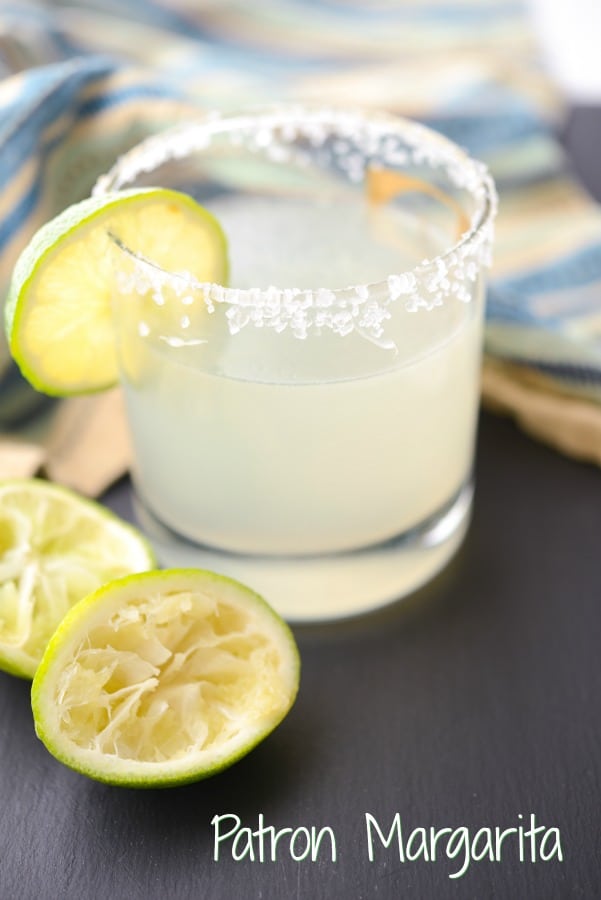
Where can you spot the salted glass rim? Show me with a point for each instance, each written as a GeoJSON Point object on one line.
{"type": "Point", "coordinates": [473, 247]}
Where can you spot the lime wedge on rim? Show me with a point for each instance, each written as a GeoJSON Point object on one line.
{"type": "Point", "coordinates": [55, 548]}
{"type": "Point", "coordinates": [164, 678]}
{"type": "Point", "coordinates": [58, 310]}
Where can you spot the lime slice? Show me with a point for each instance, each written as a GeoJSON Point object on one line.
{"type": "Point", "coordinates": [58, 310]}
{"type": "Point", "coordinates": [55, 548]}
{"type": "Point", "coordinates": [164, 678]}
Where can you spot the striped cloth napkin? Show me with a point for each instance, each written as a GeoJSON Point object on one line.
{"type": "Point", "coordinates": [82, 82]}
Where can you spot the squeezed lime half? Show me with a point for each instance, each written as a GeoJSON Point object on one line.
{"type": "Point", "coordinates": [164, 678]}
{"type": "Point", "coordinates": [55, 548]}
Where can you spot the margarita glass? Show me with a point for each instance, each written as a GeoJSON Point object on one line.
{"type": "Point", "coordinates": [309, 428]}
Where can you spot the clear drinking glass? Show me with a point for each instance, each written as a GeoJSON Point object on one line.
{"type": "Point", "coordinates": [309, 428]}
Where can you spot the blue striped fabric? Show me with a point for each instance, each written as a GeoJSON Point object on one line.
{"type": "Point", "coordinates": [84, 81]}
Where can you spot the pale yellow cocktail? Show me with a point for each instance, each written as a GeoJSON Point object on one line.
{"type": "Point", "coordinates": [322, 407]}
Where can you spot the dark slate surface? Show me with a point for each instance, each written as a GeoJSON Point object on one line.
{"type": "Point", "coordinates": [474, 702]}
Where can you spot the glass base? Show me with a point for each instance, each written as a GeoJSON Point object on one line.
{"type": "Point", "coordinates": [328, 587]}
